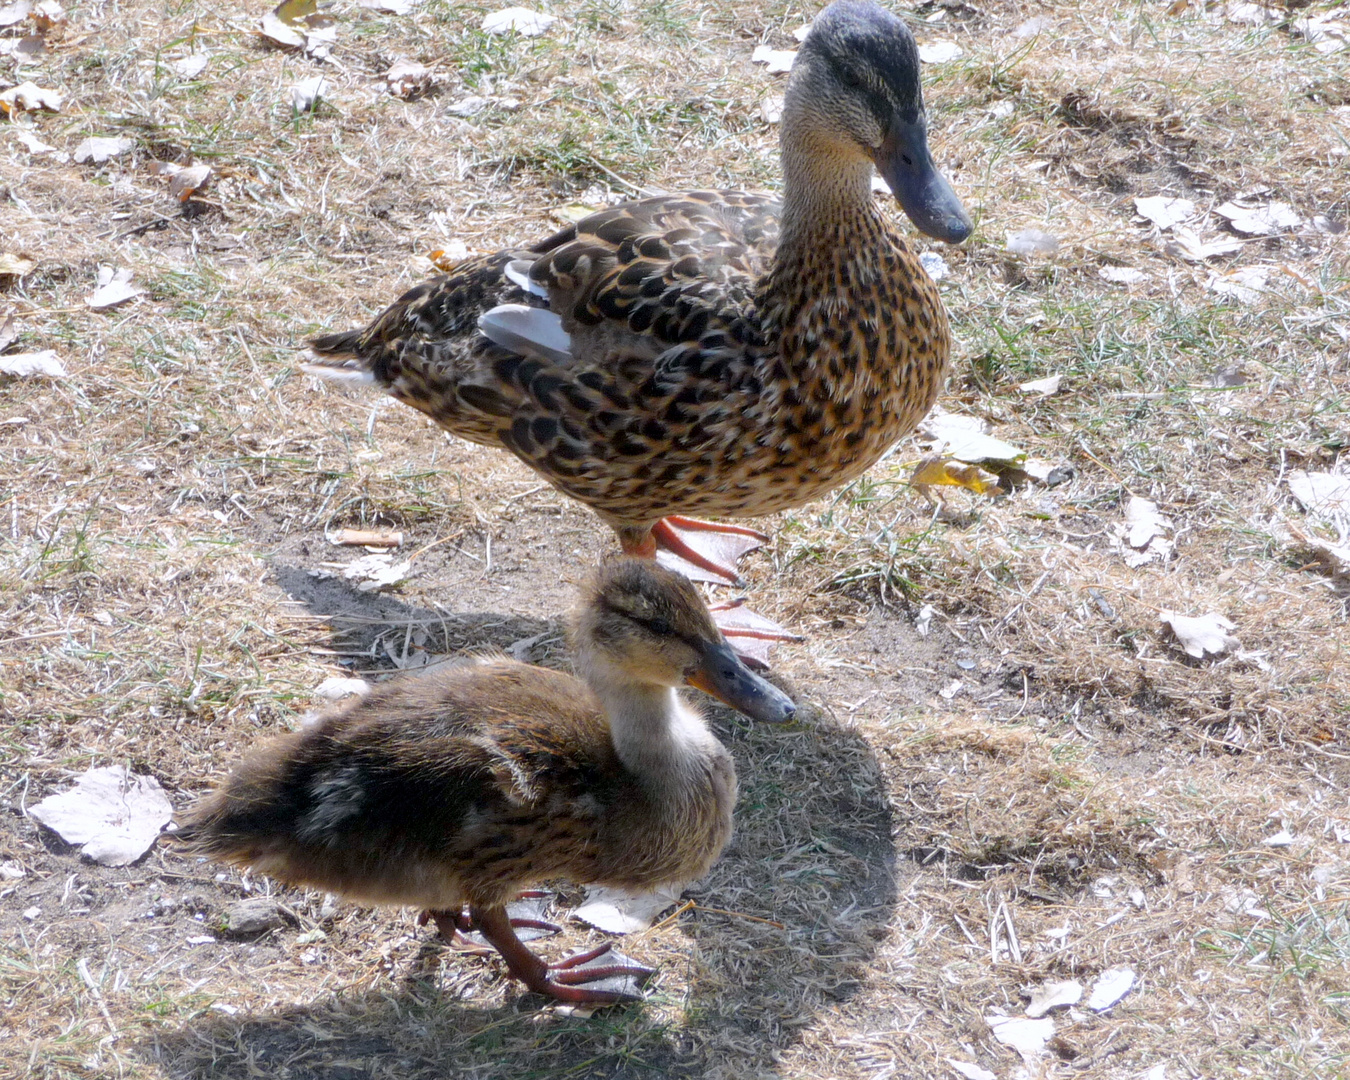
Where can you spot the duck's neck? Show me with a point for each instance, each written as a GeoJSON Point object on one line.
{"type": "Point", "coordinates": [658, 738]}
{"type": "Point", "coordinates": [827, 189]}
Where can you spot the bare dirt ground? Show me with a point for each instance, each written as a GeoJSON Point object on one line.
{"type": "Point", "coordinates": [1009, 773]}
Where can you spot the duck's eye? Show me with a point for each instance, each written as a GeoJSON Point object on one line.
{"type": "Point", "coordinates": [661, 627]}
{"type": "Point", "coordinates": [851, 79]}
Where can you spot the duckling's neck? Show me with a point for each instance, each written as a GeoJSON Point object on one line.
{"type": "Point", "coordinates": [827, 189]}
{"type": "Point", "coordinates": [657, 736]}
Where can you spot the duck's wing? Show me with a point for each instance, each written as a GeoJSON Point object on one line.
{"type": "Point", "coordinates": [591, 351]}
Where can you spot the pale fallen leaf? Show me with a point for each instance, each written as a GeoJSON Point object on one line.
{"type": "Point", "coordinates": [963, 438]}
{"type": "Point", "coordinates": [1329, 32]}
{"type": "Point", "coordinates": [801, 31]}
{"type": "Point", "coordinates": [1187, 244]}
{"type": "Point", "coordinates": [518, 20]}
{"type": "Point", "coordinates": [970, 1071]}
{"type": "Point", "coordinates": [618, 911]}
{"type": "Point", "coordinates": [307, 93]}
{"type": "Point", "coordinates": [1200, 634]}
{"type": "Point", "coordinates": [29, 97]}
{"type": "Point", "coordinates": [1251, 14]}
{"type": "Point", "coordinates": [1264, 220]}
{"type": "Point", "coordinates": [1033, 242]}
{"type": "Point", "coordinates": [1121, 275]}
{"type": "Point", "coordinates": [776, 61]}
{"type": "Point", "coordinates": [371, 572]}
{"type": "Point", "coordinates": [114, 288]}
{"type": "Point", "coordinates": [1111, 985]}
{"type": "Point", "coordinates": [111, 812]}
{"type": "Point", "coordinates": [1324, 495]}
{"type": "Point", "coordinates": [44, 362]}
{"type": "Point", "coordinates": [98, 150]}
{"type": "Point", "coordinates": [393, 7]}
{"type": "Point", "coordinates": [33, 144]}
{"type": "Point", "coordinates": [298, 24]}
{"type": "Point", "coordinates": [1028, 1037]}
{"type": "Point", "coordinates": [10, 870]}
{"type": "Point", "coordinates": [1031, 27]}
{"type": "Point", "coordinates": [1158, 1072]}
{"type": "Point", "coordinates": [1045, 387]}
{"type": "Point", "coordinates": [1283, 838]}
{"type": "Point", "coordinates": [771, 109]}
{"type": "Point", "coordinates": [1053, 995]}
{"type": "Point", "coordinates": [184, 183]}
{"type": "Point", "coordinates": [1164, 212]}
{"type": "Point", "coordinates": [934, 264]}
{"type": "Point", "coordinates": [12, 14]}
{"type": "Point", "coordinates": [1143, 522]}
{"type": "Point", "coordinates": [8, 332]}
{"type": "Point", "coordinates": [191, 65]}
{"type": "Point", "coordinates": [24, 49]}
{"type": "Point", "coordinates": [407, 78]}
{"type": "Point", "coordinates": [468, 106]}
{"type": "Point", "coordinates": [940, 52]}
{"type": "Point", "coordinates": [1245, 284]}
{"type": "Point", "coordinates": [335, 688]}
{"type": "Point", "coordinates": [14, 265]}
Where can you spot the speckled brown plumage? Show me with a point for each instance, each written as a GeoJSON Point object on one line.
{"type": "Point", "coordinates": [465, 785]}
{"type": "Point", "coordinates": [730, 355]}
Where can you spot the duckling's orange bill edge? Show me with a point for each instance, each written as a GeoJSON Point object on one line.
{"type": "Point", "coordinates": [722, 675]}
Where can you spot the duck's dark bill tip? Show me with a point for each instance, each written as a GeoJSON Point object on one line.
{"type": "Point", "coordinates": [723, 676]}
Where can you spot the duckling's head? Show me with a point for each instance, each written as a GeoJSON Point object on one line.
{"type": "Point", "coordinates": [639, 623]}
{"type": "Point", "coordinates": [855, 84]}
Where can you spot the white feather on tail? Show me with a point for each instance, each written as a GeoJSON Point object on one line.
{"type": "Point", "coordinates": [346, 373]}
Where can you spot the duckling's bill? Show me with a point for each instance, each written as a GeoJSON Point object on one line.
{"type": "Point", "coordinates": [722, 674]}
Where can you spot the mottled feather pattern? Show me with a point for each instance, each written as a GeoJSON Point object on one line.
{"type": "Point", "coordinates": [708, 378]}
{"type": "Point", "coordinates": [509, 779]}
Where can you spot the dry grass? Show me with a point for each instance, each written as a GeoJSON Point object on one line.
{"type": "Point", "coordinates": [907, 862]}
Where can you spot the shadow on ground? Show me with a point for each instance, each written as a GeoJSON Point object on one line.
{"type": "Point", "coordinates": [782, 931]}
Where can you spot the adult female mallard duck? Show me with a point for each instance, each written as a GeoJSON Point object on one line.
{"type": "Point", "coordinates": [716, 352]}
{"type": "Point", "coordinates": [460, 787]}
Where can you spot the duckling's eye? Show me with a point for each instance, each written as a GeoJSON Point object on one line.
{"type": "Point", "coordinates": [660, 627]}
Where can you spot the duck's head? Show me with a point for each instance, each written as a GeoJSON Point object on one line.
{"type": "Point", "coordinates": [639, 623]}
{"type": "Point", "coordinates": [855, 82]}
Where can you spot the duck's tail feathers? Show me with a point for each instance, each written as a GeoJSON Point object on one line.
{"type": "Point", "coordinates": [350, 370]}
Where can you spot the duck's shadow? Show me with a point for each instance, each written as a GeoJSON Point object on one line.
{"type": "Point", "coordinates": [782, 932]}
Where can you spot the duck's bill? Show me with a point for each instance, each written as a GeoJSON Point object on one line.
{"type": "Point", "coordinates": [906, 164]}
{"type": "Point", "coordinates": [723, 676]}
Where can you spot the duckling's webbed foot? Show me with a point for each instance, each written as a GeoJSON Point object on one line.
{"type": "Point", "coordinates": [597, 977]}
{"type": "Point", "coordinates": [703, 550]}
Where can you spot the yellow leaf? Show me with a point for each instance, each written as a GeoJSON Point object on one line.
{"type": "Point", "coordinates": [935, 471]}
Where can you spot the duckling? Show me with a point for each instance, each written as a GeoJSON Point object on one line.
{"type": "Point", "coordinates": [713, 352]}
{"type": "Point", "coordinates": [456, 789]}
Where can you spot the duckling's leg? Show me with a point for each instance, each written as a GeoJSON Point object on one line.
{"type": "Point", "coordinates": [615, 976]}
{"type": "Point", "coordinates": [526, 913]}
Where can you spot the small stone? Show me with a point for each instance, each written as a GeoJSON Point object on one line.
{"type": "Point", "coordinates": [249, 918]}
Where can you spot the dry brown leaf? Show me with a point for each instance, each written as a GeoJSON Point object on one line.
{"type": "Point", "coordinates": [776, 61]}
{"type": "Point", "coordinates": [15, 265]}
{"type": "Point", "coordinates": [1187, 244]}
{"type": "Point", "coordinates": [184, 183]}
